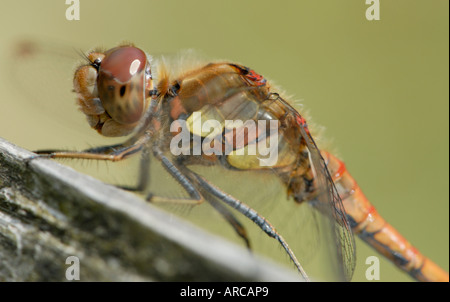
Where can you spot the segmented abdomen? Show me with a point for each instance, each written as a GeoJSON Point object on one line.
{"type": "Point", "coordinates": [367, 223]}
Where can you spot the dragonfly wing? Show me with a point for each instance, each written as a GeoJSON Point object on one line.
{"type": "Point", "coordinates": [329, 203]}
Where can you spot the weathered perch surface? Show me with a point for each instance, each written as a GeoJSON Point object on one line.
{"type": "Point", "coordinates": [49, 212]}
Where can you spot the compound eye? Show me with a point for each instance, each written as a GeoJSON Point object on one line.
{"type": "Point", "coordinates": [122, 63]}
{"type": "Point", "coordinates": [122, 80]}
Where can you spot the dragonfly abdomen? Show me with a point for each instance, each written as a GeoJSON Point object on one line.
{"type": "Point", "coordinates": [368, 224]}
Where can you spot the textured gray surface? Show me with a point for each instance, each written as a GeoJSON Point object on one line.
{"type": "Point", "coordinates": [49, 212]}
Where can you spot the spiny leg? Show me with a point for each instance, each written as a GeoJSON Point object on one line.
{"type": "Point", "coordinates": [112, 153]}
{"type": "Point", "coordinates": [259, 220]}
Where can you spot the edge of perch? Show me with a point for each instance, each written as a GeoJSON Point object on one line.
{"type": "Point", "coordinates": [49, 212]}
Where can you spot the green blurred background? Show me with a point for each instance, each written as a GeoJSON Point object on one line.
{"type": "Point", "coordinates": [379, 88]}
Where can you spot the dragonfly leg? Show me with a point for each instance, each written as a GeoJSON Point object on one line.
{"type": "Point", "coordinates": [250, 213]}
{"type": "Point", "coordinates": [112, 153]}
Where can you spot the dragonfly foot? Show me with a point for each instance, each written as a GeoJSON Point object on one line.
{"type": "Point", "coordinates": [28, 160]}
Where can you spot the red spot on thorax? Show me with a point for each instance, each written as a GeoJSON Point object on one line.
{"type": "Point", "coordinates": [258, 79]}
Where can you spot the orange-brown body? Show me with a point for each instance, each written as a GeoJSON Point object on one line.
{"type": "Point", "coordinates": [373, 229]}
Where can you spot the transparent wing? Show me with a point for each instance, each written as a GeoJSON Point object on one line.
{"type": "Point", "coordinates": [329, 203]}
{"type": "Point", "coordinates": [43, 73]}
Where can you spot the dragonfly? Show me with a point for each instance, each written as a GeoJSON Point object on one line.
{"type": "Point", "coordinates": [123, 93]}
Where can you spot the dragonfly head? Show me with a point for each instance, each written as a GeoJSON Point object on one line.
{"type": "Point", "coordinates": [114, 89]}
